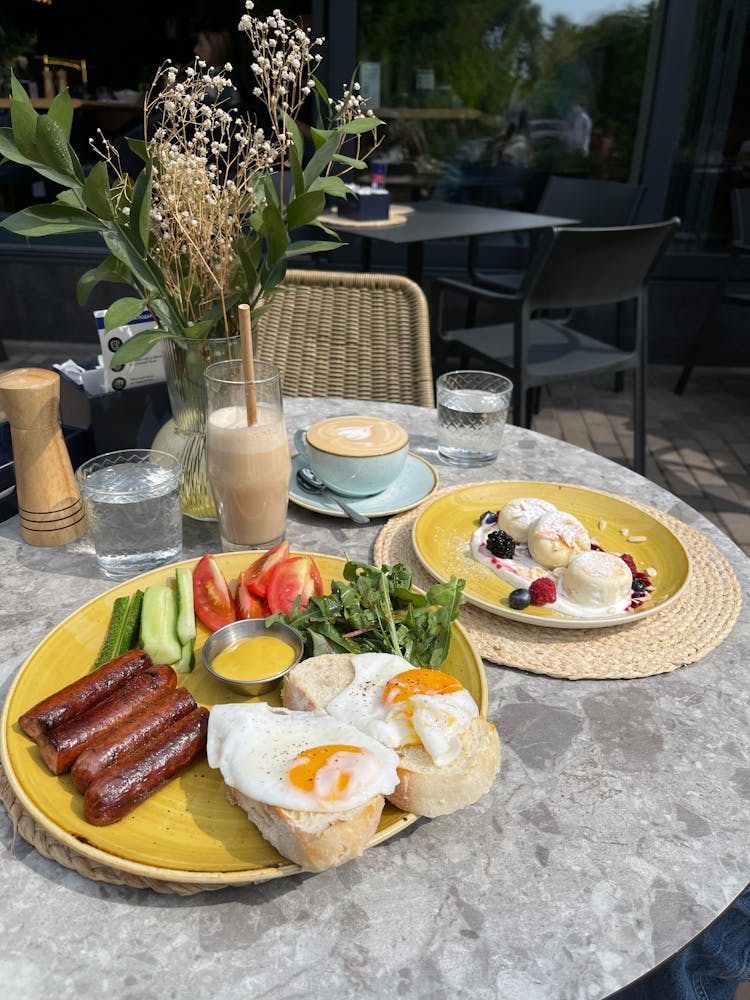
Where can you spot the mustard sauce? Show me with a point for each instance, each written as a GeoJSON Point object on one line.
{"type": "Point", "coordinates": [254, 659]}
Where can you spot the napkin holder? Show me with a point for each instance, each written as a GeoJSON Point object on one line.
{"type": "Point", "coordinates": [50, 509]}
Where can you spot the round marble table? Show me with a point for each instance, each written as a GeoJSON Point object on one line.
{"type": "Point", "coordinates": [615, 832]}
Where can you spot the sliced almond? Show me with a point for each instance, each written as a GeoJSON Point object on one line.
{"type": "Point", "coordinates": [637, 538]}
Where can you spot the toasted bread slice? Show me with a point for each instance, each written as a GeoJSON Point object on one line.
{"type": "Point", "coordinates": [313, 840]}
{"type": "Point", "coordinates": [424, 788]}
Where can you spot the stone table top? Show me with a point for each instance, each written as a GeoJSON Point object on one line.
{"type": "Point", "coordinates": [615, 832]}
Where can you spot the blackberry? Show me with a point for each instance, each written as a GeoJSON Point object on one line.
{"type": "Point", "coordinates": [501, 544]}
{"type": "Point", "coordinates": [639, 586]}
{"type": "Point", "coordinates": [489, 517]}
{"type": "Point", "coordinates": [519, 599]}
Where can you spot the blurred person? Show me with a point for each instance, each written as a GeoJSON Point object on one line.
{"type": "Point", "coordinates": [577, 132]}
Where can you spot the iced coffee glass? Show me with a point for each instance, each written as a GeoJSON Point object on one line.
{"type": "Point", "coordinates": [248, 463]}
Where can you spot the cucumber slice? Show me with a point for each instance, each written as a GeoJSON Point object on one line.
{"type": "Point", "coordinates": [185, 608]}
{"type": "Point", "coordinates": [111, 644]}
{"type": "Point", "coordinates": [132, 624]}
{"type": "Point", "coordinates": [159, 624]}
{"type": "Point", "coordinates": [185, 663]}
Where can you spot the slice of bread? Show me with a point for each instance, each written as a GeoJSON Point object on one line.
{"type": "Point", "coordinates": [424, 788]}
{"type": "Point", "coordinates": [314, 840]}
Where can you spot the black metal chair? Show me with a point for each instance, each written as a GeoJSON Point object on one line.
{"type": "Point", "coordinates": [591, 201]}
{"type": "Point", "coordinates": [727, 290]}
{"type": "Point", "coordinates": [573, 268]}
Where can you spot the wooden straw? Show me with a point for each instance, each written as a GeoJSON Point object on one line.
{"type": "Point", "coordinates": [246, 342]}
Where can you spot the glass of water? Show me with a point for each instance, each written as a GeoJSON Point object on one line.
{"type": "Point", "coordinates": [132, 499]}
{"type": "Point", "coordinates": [472, 410]}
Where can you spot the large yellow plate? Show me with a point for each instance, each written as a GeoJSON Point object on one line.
{"type": "Point", "coordinates": [442, 535]}
{"type": "Point", "coordinates": [187, 832]}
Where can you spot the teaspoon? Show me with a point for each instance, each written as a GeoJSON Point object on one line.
{"type": "Point", "coordinates": [312, 484]}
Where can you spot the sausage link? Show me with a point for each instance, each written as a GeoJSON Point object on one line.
{"type": "Point", "coordinates": [131, 735]}
{"type": "Point", "coordinates": [60, 746]}
{"type": "Point", "coordinates": [83, 694]}
{"type": "Point", "coordinates": [119, 789]}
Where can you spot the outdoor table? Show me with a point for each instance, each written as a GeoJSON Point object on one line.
{"type": "Point", "coordinates": [435, 220]}
{"type": "Point", "coordinates": [614, 833]}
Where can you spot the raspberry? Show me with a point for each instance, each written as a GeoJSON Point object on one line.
{"type": "Point", "coordinates": [543, 591]}
{"type": "Point", "coordinates": [629, 562]}
{"type": "Point", "coordinates": [500, 544]}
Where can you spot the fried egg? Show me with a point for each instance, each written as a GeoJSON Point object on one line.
{"type": "Point", "coordinates": [401, 705]}
{"type": "Point", "coordinates": [297, 760]}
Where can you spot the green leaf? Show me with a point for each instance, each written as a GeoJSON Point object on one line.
{"type": "Point", "coordinates": [274, 232]}
{"type": "Point", "coordinates": [138, 146]}
{"type": "Point", "coordinates": [349, 161]}
{"type": "Point", "coordinates": [311, 246]}
{"type": "Point", "coordinates": [96, 192]}
{"type": "Point", "coordinates": [304, 209]}
{"type": "Point", "coordinates": [61, 110]}
{"type": "Point", "coordinates": [122, 312]}
{"type": "Point", "coordinates": [273, 276]}
{"type": "Point", "coordinates": [54, 148]}
{"type": "Point", "coordinates": [140, 209]}
{"type": "Point", "coordinates": [292, 128]}
{"type": "Point", "coordinates": [320, 160]}
{"type": "Point", "coordinates": [110, 269]}
{"type": "Point", "coordinates": [139, 345]}
{"type": "Point", "coordinates": [295, 163]}
{"type": "Point", "coordinates": [332, 185]}
{"type": "Point", "coordinates": [48, 220]}
{"type": "Point", "coordinates": [9, 149]}
{"type": "Point", "coordinates": [357, 126]}
{"type": "Point", "coordinates": [120, 248]}
{"type": "Point", "coordinates": [23, 119]}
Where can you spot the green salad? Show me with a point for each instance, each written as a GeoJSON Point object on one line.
{"type": "Point", "coordinates": [376, 611]}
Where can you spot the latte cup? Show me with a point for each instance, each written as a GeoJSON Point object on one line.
{"type": "Point", "coordinates": [357, 456]}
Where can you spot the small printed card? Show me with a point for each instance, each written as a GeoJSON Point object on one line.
{"type": "Point", "coordinates": [142, 372]}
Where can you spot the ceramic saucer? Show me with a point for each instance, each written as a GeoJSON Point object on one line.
{"type": "Point", "coordinates": [417, 481]}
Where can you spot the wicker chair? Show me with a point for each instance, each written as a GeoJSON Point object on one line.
{"type": "Point", "coordinates": [352, 336]}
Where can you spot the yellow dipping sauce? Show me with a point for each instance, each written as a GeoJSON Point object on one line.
{"type": "Point", "coordinates": [254, 659]}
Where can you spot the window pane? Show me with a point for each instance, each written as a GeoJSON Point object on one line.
{"type": "Point", "coordinates": [485, 99]}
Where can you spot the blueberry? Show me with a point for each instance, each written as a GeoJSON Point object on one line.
{"type": "Point", "coordinates": [519, 599]}
{"type": "Point", "coordinates": [489, 517]}
{"type": "Point", "coordinates": [500, 544]}
{"type": "Point", "coordinates": [639, 587]}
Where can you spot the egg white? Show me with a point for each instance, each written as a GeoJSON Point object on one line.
{"type": "Point", "coordinates": [254, 745]}
{"type": "Point", "coordinates": [436, 721]}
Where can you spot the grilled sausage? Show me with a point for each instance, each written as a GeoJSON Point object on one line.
{"type": "Point", "coordinates": [83, 694]}
{"type": "Point", "coordinates": [131, 735]}
{"type": "Point", "coordinates": [60, 746]}
{"type": "Point", "coordinates": [119, 789]}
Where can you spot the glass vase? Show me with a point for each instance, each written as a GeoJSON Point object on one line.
{"type": "Point", "coordinates": [184, 436]}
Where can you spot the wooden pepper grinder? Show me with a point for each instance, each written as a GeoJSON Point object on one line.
{"type": "Point", "coordinates": [50, 508]}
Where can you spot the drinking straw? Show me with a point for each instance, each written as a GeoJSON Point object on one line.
{"type": "Point", "coordinates": [246, 342]}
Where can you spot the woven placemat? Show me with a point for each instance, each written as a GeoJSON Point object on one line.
{"type": "Point", "coordinates": [49, 847]}
{"type": "Point", "coordinates": [682, 633]}
{"type": "Point", "coordinates": [397, 216]}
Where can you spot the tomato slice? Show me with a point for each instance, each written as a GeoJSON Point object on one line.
{"type": "Point", "coordinates": [246, 603]}
{"type": "Point", "coordinates": [258, 573]}
{"type": "Point", "coordinates": [211, 595]}
{"type": "Point", "coordinates": [295, 577]}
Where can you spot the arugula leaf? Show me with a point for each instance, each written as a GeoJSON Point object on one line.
{"type": "Point", "coordinates": [375, 611]}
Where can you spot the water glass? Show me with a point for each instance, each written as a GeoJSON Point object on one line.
{"type": "Point", "coordinates": [472, 410]}
{"type": "Point", "coordinates": [248, 461]}
{"type": "Point", "coordinates": [132, 499]}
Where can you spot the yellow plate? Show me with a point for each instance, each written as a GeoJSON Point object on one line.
{"type": "Point", "coordinates": [442, 535]}
{"type": "Point", "coordinates": [187, 832]}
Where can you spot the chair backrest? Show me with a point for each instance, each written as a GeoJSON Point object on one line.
{"type": "Point", "coordinates": [576, 267]}
{"type": "Point", "coordinates": [353, 336]}
{"type": "Point", "coordinates": [593, 202]}
{"type": "Point", "coordinates": [740, 204]}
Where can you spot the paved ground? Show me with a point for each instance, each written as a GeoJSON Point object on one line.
{"type": "Point", "coordinates": [698, 443]}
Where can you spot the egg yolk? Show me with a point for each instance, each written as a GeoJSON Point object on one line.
{"type": "Point", "coordinates": [418, 681]}
{"type": "Point", "coordinates": [317, 770]}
